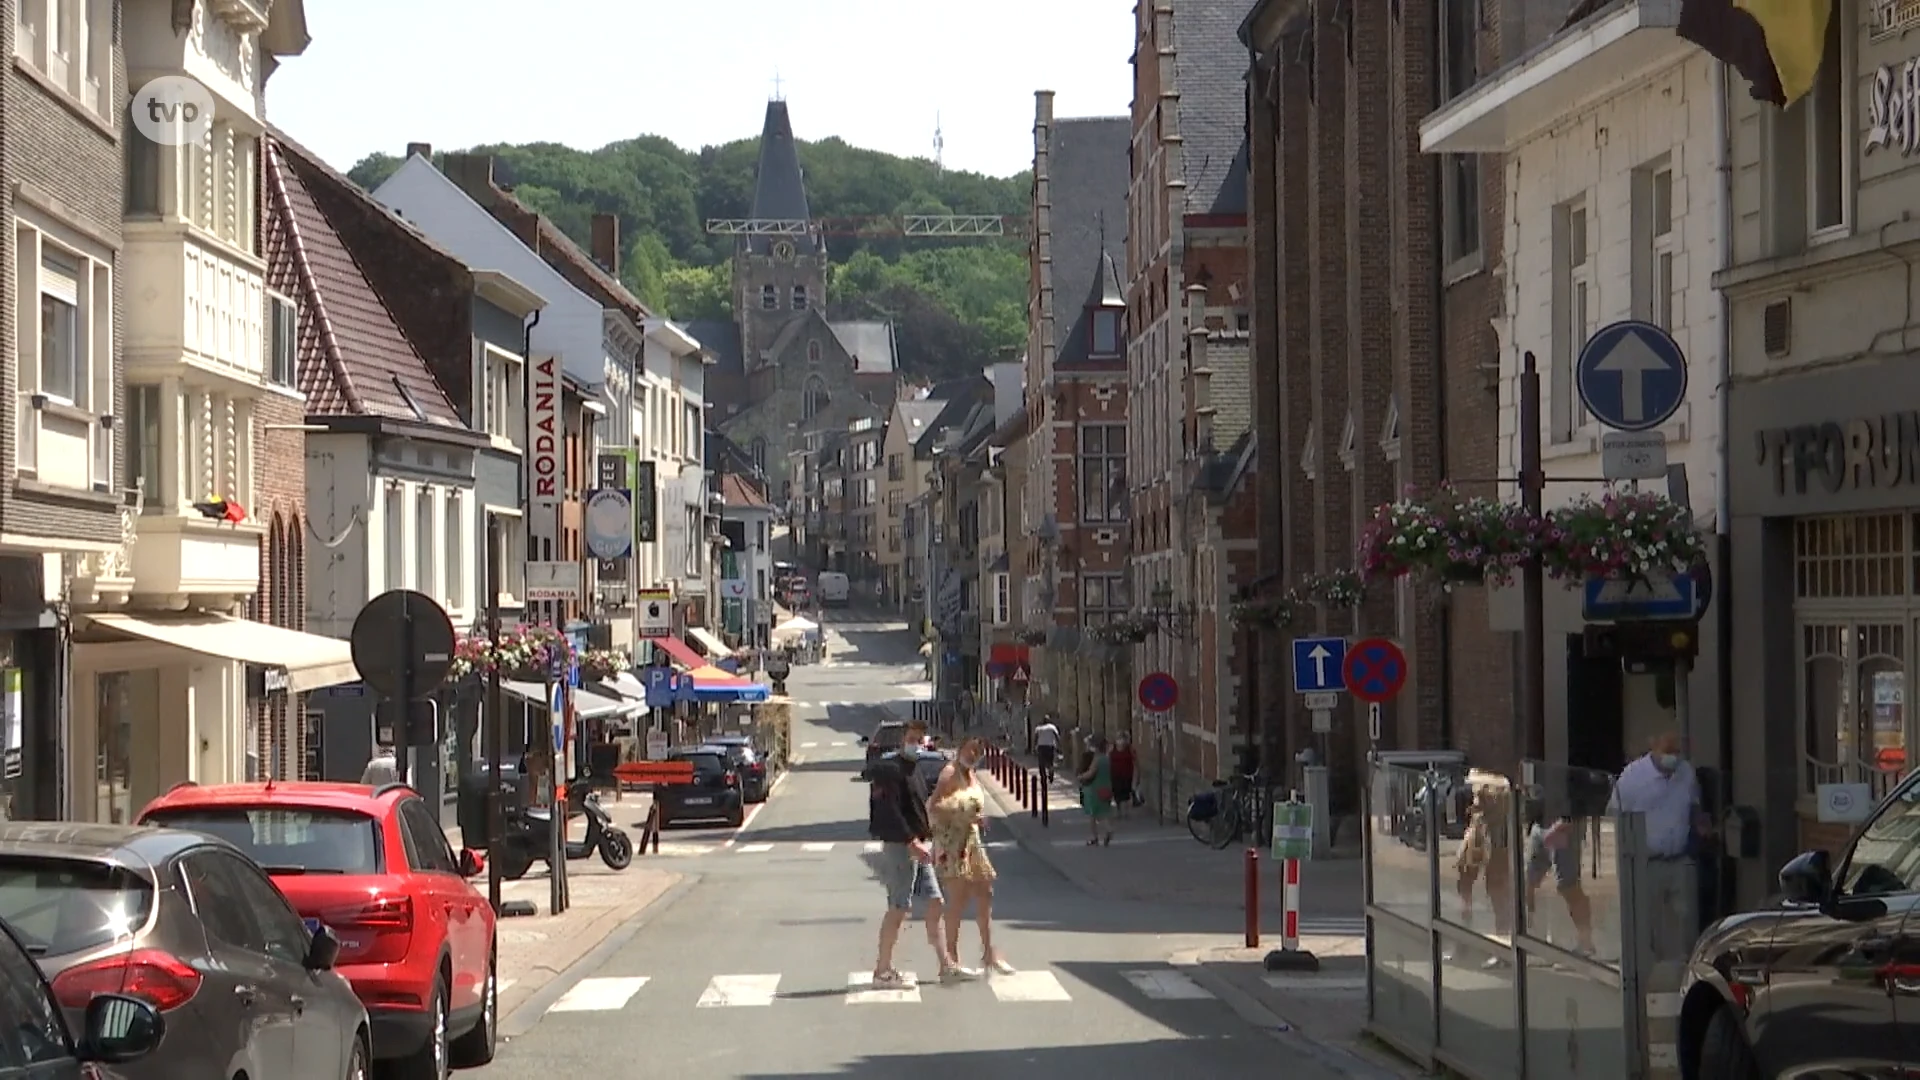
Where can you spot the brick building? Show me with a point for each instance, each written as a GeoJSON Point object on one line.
{"type": "Point", "coordinates": [1375, 360]}
{"type": "Point", "coordinates": [1190, 439]}
{"type": "Point", "coordinates": [1075, 502]}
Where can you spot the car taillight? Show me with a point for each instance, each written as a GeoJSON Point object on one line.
{"type": "Point", "coordinates": [393, 914]}
{"type": "Point", "coordinates": [732, 780]}
{"type": "Point", "coordinates": [759, 767]}
{"type": "Point", "coordinates": [160, 977]}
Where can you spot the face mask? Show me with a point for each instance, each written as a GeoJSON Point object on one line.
{"type": "Point", "coordinates": [1667, 763]}
{"type": "Point", "coordinates": [969, 762]}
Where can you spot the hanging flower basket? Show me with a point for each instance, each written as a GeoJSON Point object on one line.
{"type": "Point", "coordinates": [525, 653]}
{"type": "Point", "coordinates": [1126, 630]}
{"type": "Point", "coordinates": [1622, 534]}
{"type": "Point", "coordinates": [1449, 537]}
{"type": "Point", "coordinates": [1334, 589]}
{"type": "Point", "coordinates": [1263, 613]}
{"type": "Point", "coordinates": [603, 664]}
{"type": "Point", "coordinates": [1031, 637]}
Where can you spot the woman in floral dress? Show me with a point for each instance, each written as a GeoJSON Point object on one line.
{"type": "Point", "coordinates": [957, 811]}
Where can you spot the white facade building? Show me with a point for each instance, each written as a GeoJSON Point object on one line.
{"type": "Point", "coordinates": [669, 423]}
{"type": "Point", "coordinates": [1613, 145]}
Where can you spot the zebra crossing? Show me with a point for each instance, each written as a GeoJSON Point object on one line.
{"type": "Point", "coordinates": [768, 990]}
{"type": "Point", "coordinates": [801, 847]}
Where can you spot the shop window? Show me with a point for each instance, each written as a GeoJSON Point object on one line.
{"type": "Point", "coordinates": [127, 761]}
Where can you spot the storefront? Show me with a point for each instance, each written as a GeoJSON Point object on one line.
{"type": "Point", "coordinates": [1826, 584]}
{"type": "Point", "coordinates": [161, 698]}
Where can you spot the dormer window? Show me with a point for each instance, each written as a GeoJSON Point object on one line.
{"type": "Point", "coordinates": [1106, 342]}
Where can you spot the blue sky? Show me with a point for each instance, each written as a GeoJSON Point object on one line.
{"type": "Point", "coordinates": [383, 73]}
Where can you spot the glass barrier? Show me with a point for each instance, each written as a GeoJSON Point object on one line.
{"type": "Point", "coordinates": [1570, 893]}
{"type": "Point", "coordinates": [1399, 851]}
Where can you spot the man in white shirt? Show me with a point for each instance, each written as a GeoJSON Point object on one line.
{"type": "Point", "coordinates": [1661, 787]}
{"type": "Point", "coordinates": [1046, 747]}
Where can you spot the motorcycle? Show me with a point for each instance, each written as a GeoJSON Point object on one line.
{"type": "Point", "coordinates": [529, 832]}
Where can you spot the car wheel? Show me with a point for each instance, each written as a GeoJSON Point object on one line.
{"type": "Point", "coordinates": [737, 816]}
{"type": "Point", "coordinates": [1724, 1054]}
{"type": "Point", "coordinates": [478, 1044]}
{"type": "Point", "coordinates": [357, 1061]}
{"type": "Point", "coordinates": [430, 1061]}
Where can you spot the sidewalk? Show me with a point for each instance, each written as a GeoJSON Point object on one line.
{"type": "Point", "coordinates": [537, 949]}
{"type": "Point", "coordinates": [1321, 1012]}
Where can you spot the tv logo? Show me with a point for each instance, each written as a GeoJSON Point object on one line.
{"type": "Point", "coordinates": [172, 110]}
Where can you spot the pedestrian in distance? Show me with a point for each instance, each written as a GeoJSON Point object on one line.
{"type": "Point", "coordinates": [1096, 792]}
{"type": "Point", "coordinates": [958, 812]}
{"type": "Point", "coordinates": [897, 817]}
{"type": "Point", "coordinates": [383, 767]}
{"type": "Point", "coordinates": [1046, 748]}
{"type": "Point", "coordinates": [1124, 764]}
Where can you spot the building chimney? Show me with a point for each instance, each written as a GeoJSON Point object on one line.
{"type": "Point", "coordinates": [473, 173]}
{"type": "Point", "coordinates": [606, 242]}
{"type": "Point", "coordinates": [420, 149]}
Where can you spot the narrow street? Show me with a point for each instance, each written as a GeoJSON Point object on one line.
{"type": "Point", "coordinates": [756, 968]}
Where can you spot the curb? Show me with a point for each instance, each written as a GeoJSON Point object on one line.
{"type": "Point", "coordinates": [1341, 1061]}
{"type": "Point", "coordinates": [1027, 836]}
{"type": "Point", "coordinates": [530, 1012]}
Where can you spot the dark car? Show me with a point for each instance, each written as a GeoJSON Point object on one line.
{"type": "Point", "coordinates": [35, 1041]}
{"type": "Point", "coordinates": [885, 739]}
{"type": "Point", "coordinates": [749, 763]}
{"type": "Point", "coordinates": [1821, 983]}
{"type": "Point", "coordinates": [186, 922]}
{"type": "Point", "coordinates": [713, 794]}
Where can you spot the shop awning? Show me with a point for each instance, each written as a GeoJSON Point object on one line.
{"type": "Point", "coordinates": [708, 675]}
{"type": "Point", "coordinates": [708, 641]}
{"type": "Point", "coordinates": [310, 661]}
{"type": "Point", "coordinates": [627, 685]}
{"type": "Point", "coordinates": [682, 656]}
{"type": "Point", "coordinates": [587, 705]}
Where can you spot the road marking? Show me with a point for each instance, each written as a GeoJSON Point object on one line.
{"type": "Point", "coordinates": [874, 847]}
{"type": "Point", "coordinates": [842, 742]}
{"type": "Point", "coordinates": [739, 991]}
{"type": "Point", "coordinates": [599, 995]}
{"type": "Point", "coordinates": [1023, 986]}
{"type": "Point", "coordinates": [816, 848]}
{"type": "Point", "coordinates": [1345, 984]}
{"type": "Point", "coordinates": [808, 745]}
{"type": "Point", "coordinates": [747, 822]}
{"type": "Point", "coordinates": [503, 985]}
{"type": "Point", "coordinates": [754, 849]}
{"type": "Point", "coordinates": [860, 991]}
{"type": "Point", "coordinates": [1163, 985]}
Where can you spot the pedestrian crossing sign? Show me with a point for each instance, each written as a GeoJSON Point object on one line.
{"type": "Point", "coordinates": [1293, 830]}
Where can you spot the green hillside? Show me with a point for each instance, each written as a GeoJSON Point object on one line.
{"type": "Point", "coordinates": [957, 304]}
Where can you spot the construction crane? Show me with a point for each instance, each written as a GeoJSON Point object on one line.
{"type": "Point", "coordinates": [932, 226]}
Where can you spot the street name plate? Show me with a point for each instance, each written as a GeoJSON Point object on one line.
{"type": "Point", "coordinates": [1324, 700]}
{"type": "Point", "coordinates": [1633, 455]}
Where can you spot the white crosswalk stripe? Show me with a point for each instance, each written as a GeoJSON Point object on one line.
{"type": "Point", "coordinates": [808, 745]}
{"type": "Point", "coordinates": [739, 991]}
{"type": "Point", "coordinates": [1333, 926]}
{"type": "Point", "coordinates": [754, 849]}
{"type": "Point", "coordinates": [817, 848]}
{"type": "Point", "coordinates": [873, 847]}
{"type": "Point", "coordinates": [765, 990]}
{"type": "Point", "coordinates": [599, 995]}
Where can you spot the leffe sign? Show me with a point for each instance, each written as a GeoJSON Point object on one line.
{"type": "Point", "coordinates": [546, 468]}
{"type": "Point", "coordinates": [1893, 109]}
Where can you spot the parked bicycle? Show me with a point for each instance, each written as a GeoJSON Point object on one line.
{"type": "Point", "coordinates": [1230, 811]}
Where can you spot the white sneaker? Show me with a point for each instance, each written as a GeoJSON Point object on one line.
{"type": "Point", "coordinates": [959, 974]}
{"type": "Point", "coordinates": [1001, 967]}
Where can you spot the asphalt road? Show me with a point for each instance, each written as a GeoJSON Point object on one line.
{"type": "Point", "coordinates": [757, 968]}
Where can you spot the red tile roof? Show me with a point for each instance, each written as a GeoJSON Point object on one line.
{"type": "Point", "coordinates": [354, 359]}
{"type": "Point", "coordinates": [737, 490]}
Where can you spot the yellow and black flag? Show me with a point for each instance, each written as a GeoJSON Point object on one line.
{"type": "Point", "coordinates": [1776, 45]}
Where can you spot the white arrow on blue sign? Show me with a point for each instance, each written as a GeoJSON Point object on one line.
{"type": "Point", "coordinates": [1319, 663]}
{"type": "Point", "coordinates": [1632, 375]}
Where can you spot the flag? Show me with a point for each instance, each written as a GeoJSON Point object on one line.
{"type": "Point", "coordinates": [1776, 45]}
{"type": "Point", "coordinates": [218, 509]}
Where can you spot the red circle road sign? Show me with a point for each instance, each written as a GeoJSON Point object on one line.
{"type": "Point", "coordinates": [1376, 670]}
{"type": "Point", "coordinates": [1159, 692]}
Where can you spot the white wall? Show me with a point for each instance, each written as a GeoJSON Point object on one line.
{"type": "Point", "coordinates": [1595, 154]}
{"type": "Point", "coordinates": [339, 504]}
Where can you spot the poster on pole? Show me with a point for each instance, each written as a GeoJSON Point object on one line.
{"type": "Point", "coordinates": [546, 461]}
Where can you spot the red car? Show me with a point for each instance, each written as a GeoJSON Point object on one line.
{"type": "Point", "coordinates": [416, 938]}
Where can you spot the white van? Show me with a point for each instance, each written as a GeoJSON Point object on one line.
{"type": "Point", "coordinates": [834, 589]}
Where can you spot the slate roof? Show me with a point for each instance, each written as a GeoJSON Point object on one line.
{"type": "Point", "coordinates": [1230, 358]}
{"type": "Point", "coordinates": [1210, 66]}
{"type": "Point", "coordinates": [779, 186]}
{"type": "Point", "coordinates": [1088, 160]}
{"type": "Point", "coordinates": [871, 344]}
{"type": "Point", "coordinates": [919, 416]}
{"type": "Point", "coordinates": [722, 339]}
{"type": "Point", "coordinates": [353, 358]}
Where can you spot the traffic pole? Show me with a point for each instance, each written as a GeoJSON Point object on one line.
{"type": "Point", "coordinates": [1253, 896]}
{"type": "Point", "coordinates": [1292, 837]}
{"type": "Point", "coordinates": [1290, 899]}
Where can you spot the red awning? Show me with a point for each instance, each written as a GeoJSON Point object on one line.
{"type": "Point", "coordinates": [679, 652]}
{"type": "Point", "coordinates": [1010, 655]}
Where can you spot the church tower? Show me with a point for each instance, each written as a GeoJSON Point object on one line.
{"type": "Point", "coordinates": [777, 278]}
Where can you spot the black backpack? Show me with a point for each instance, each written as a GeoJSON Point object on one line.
{"type": "Point", "coordinates": [880, 787]}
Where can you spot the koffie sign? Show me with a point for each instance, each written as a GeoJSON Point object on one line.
{"type": "Point", "coordinates": [1866, 454]}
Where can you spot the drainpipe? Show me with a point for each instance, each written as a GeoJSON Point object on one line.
{"type": "Point", "coordinates": [1439, 284]}
{"type": "Point", "coordinates": [1723, 491]}
{"type": "Point", "coordinates": [526, 361]}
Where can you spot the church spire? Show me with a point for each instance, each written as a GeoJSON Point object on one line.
{"type": "Point", "coordinates": [779, 190]}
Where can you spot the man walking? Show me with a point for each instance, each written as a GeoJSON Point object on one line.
{"type": "Point", "coordinates": [382, 768]}
{"type": "Point", "coordinates": [1046, 748]}
{"type": "Point", "coordinates": [1661, 787]}
{"type": "Point", "coordinates": [897, 817]}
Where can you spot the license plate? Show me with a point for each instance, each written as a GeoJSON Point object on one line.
{"type": "Point", "coordinates": [699, 802]}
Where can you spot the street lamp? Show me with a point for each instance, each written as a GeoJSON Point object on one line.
{"type": "Point", "coordinates": [1175, 622]}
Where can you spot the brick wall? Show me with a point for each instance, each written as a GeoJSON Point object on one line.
{"type": "Point", "coordinates": [280, 495]}
{"type": "Point", "coordinates": [60, 153]}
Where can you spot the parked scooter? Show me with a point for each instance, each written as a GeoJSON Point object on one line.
{"type": "Point", "coordinates": [528, 834]}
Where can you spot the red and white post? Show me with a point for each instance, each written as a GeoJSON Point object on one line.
{"type": "Point", "coordinates": [1292, 838]}
{"type": "Point", "coordinates": [1290, 897]}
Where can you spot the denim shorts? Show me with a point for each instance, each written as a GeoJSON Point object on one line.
{"type": "Point", "coordinates": [907, 879]}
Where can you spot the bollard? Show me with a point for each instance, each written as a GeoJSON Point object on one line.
{"type": "Point", "coordinates": [1046, 805]}
{"type": "Point", "coordinates": [1039, 796]}
{"type": "Point", "coordinates": [1290, 956]}
{"type": "Point", "coordinates": [1021, 781]}
{"type": "Point", "coordinates": [1253, 897]}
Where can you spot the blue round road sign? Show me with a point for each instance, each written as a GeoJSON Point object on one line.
{"type": "Point", "coordinates": [1376, 670]}
{"type": "Point", "coordinates": [1159, 692]}
{"type": "Point", "coordinates": [1632, 375]}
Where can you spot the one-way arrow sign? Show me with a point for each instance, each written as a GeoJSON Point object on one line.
{"type": "Point", "coordinates": [1632, 376]}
